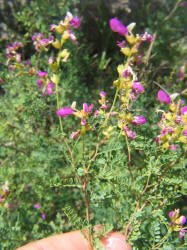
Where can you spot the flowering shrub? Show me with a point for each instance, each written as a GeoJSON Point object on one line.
{"type": "Point", "coordinates": [72, 164]}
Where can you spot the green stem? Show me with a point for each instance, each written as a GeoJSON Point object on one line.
{"type": "Point", "coordinates": [58, 107]}
{"type": "Point", "coordinates": [57, 94]}
{"type": "Point", "coordinates": [162, 240]}
{"type": "Point", "coordinates": [113, 104]}
{"type": "Point", "coordinates": [129, 158]}
{"type": "Point", "coordinates": [83, 150]}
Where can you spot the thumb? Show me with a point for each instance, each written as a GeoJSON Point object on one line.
{"type": "Point", "coordinates": [76, 241]}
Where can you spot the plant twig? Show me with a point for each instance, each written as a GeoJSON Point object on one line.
{"type": "Point", "coordinates": [84, 188]}
{"type": "Point", "coordinates": [129, 158]}
{"type": "Point", "coordinates": [160, 86]}
{"type": "Point", "coordinates": [142, 193]}
{"type": "Point", "coordinates": [156, 33]}
{"type": "Point", "coordinates": [172, 11]}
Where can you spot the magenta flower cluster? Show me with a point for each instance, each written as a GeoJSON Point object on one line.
{"type": "Point", "coordinates": [66, 25]}
{"type": "Point", "coordinates": [44, 80]}
{"type": "Point", "coordinates": [81, 114]}
{"type": "Point", "coordinates": [135, 41]}
{"type": "Point", "coordinates": [177, 222]}
{"type": "Point", "coordinates": [12, 53]}
{"type": "Point", "coordinates": [173, 123]}
{"type": "Point", "coordinates": [40, 42]}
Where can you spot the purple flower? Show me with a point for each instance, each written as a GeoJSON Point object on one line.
{"type": "Point", "coordinates": [184, 4]}
{"type": "Point", "coordinates": [75, 135]}
{"type": "Point", "coordinates": [28, 63]}
{"type": "Point", "coordinates": [63, 112]}
{"type": "Point", "coordinates": [163, 97]}
{"type": "Point", "coordinates": [121, 44]}
{"type": "Point", "coordinates": [88, 109]}
{"type": "Point", "coordinates": [146, 37]}
{"type": "Point", "coordinates": [174, 147]}
{"type": "Point", "coordinates": [37, 36]}
{"type": "Point", "coordinates": [138, 120]}
{"type": "Point", "coordinates": [157, 140]}
{"type": "Point", "coordinates": [49, 88]}
{"type": "Point", "coordinates": [185, 132]}
{"type": "Point", "coordinates": [44, 42]}
{"type": "Point", "coordinates": [182, 219]}
{"type": "Point", "coordinates": [51, 60]}
{"type": "Point", "coordinates": [131, 134]}
{"type": "Point", "coordinates": [37, 206]}
{"type": "Point", "coordinates": [182, 233]}
{"type": "Point", "coordinates": [52, 27]}
{"type": "Point", "coordinates": [42, 74]}
{"type": "Point", "coordinates": [138, 86]}
{"type": "Point", "coordinates": [43, 216]}
{"type": "Point", "coordinates": [181, 102]}
{"type": "Point", "coordinates": [75, 22]}
{"type": "Point", "coordinates": [126, 73]}
{"type": "Point", "coordinates": [33, 37]}
{"type": "Point", "coordinates": [39, 83]}
{"type": "Point", "coordinates": [1, 199]}
{"type": "Point", "coordinates": [85, 107]}
{"type": "Point", "coordinates": [83, 122]}
{"type": "Point", "coordinates": [17, 45]}
{"type": "Point", "coordinates": [40, 42]}
{"type": "Point", "coordinates": [139, 61]}
{"type": "Point", "coordinates": [133, 96]}
{"type": "Point", "coordinates": [72, 36]}
{"type": "Point", "coordinates": [96, 113]}
{"type": "Point", "coordinates": [117, 26]}
{"type": "Point", "coordinates": [166, 130]}
{"type": "Point", "coordinates": [178, 119]}
{"type": "Point", "coordinates": [171, 214]}
{"type": "Point", "coordinates": [51, 38]}
{"type": "Point", "coordinates": [102, 94]}
{"type": "Point", "coordinates": [104, 106]}
{"type": "Point", "coordinates": [183, 110]}
{"type": "Point", "coordinates": [0, 163]}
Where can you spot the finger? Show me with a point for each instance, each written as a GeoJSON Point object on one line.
{"type": "Point", "coordinates": [71, 241]}
{"type": "Point", "coordinates": [116, 241]}
{"type": "Point", "coordinates": [76, 241]}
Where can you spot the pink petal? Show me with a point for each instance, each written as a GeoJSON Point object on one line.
{"type": "Point", "coordinates": [117, 26]}
{"type": "Point", "coordinates": [63, 112]}
{"type": "Point", "coordinates": [183, 110]}
{"type": "Point", "coordinates": [163, 97]}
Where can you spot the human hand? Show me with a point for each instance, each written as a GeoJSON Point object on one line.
{"type": "Point", "coordinates": [76, 241]}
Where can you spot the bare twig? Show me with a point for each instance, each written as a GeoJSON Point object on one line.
{"type": "Point", "coordinates": [156, 33]}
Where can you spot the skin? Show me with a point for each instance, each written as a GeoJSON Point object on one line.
{"type": "Point", "coordinates": [76, 241]}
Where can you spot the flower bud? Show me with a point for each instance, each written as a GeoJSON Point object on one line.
{"type": "Point", "coordinates": [184, 110]}
{"type": "Point", "coordinates": [117, 26]}
{"type": "Point", "coordinates": [138, 120]}
{"type": "Point", "coordinates": [63, 112]}
{"type": "Point", "coordinates": [126, 51]}
{"type": "Point", "coordinates": [163, 97]}
{"type": "Point", "coordinates": [56, 44]}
